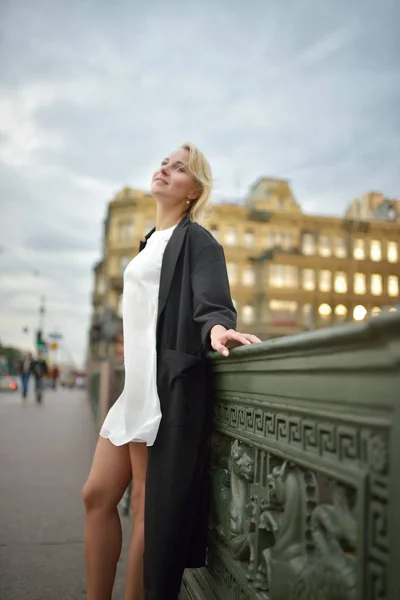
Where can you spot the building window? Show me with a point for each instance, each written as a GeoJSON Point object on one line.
{"type": "Point", "coordinates": [324, 310]}
{"type": "Point", "coordinates": [308, 279]}
{"type": "Point", "coordinates": [376, 285]}
{"type": "Point", "coordinates": [359, 312]}
{"type": "Point", "coordinates": [232, 273]}
{"type": "Point", "coordinates": [248, 277]}
{"type": "Point", "coordinates": [340, 247]}
{"type": "Point", "coordinates": [270, 239]}
{"type": "Point", "coordinates": [249, 238]}
{"type": "Point", "coordinates": [149, 225]}
{"type": "Point", "coordinates": [393, 285]}
{"type": "Point", "coordinates": [340, 283]}
{"type": "Point", "coordinates": [126, 230]}
{"type": "Point", "coordinates": [392, 252]}
{"type": "Point", "coordinates": [359, 249]}
{"type": "Point", "coordinates": [325, 248]}
{"type": "Point", "coordinates": [308, 321]}
{"type": "Point", "coordinates": [101, 285]}
{"type": "Point", "coordinates": [278, 239]}
{"type": "Point", "coordinates": [281, 203]}
{"type": "Point", "coordinates": [340, 310]}
{"type": "Point", "coordinates": [124, 261]}
{"type": "Point", "coordinates": [230, 236]}
{"type": "Point", "coordinates": [282, 310]}
{"type": "Point", "coordinates": [360, 283]}
{"type": "Point", "coordinates": [325, 281]}
{"type": "Point", "coordinates": [283, 276]}
{"type": "Point", "coordinates": [288, 241]}
{"type": "Point", "coordinates": [376, 250]}
{"type": "Point", "coordinates": [308, 245]}
{"type": "Point", "coordinates": [248, 314]}
{"type": "Point", "coordinates": [214, 231]}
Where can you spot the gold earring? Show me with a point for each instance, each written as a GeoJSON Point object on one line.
{"type": "Point", "coordinates": [187, 201]}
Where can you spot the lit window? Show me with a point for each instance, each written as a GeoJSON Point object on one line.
{"type": "Point", "coordinates": [214, 231]}
{"type": "Point", "coordinates": [283, 276]}
{"type": "Point", "coordinates": [325, 281]}
{"type": "Point", "coordinates": [325, 245]}
{"type": "Point", "coordinates": [393, 285]}
{"type": "Point", "coordinates": [359, 249]}
{"type": "Point", "coordinates": [309, 279]}
{"type": "Point", "coordinates": [376, 285]}
{"type": "Point", "coordinates": [248, 314]}
{"type": "Point", "coordinates": [340, 283]}
{"type": "Point", "coordinates": [232, 273]}
{"type": "Point", "coordinates": [230, 236]}
{"type": "Point", "coordinates": [376, 250]}
{"type": "Point", "coordinates": [248, 277]}
{"type": "Point", "coordinates": [360, 283]}
{"type": "Point", "coordinates": [324, 310]}
{"type": "Point", "coordinates": [249, 238]}
{"type": "Point", "coordinates": [283, 306]}
{"type": "Point", "coordinates": [375, 311]}
{"type": "Point", "coordinates": [359, 312]}
{"type": "Point", "coordinates": [124, 261]}
{"type": "Point", "coordinates": [340, 248]}
{"type": "Point", "coordinates": [392, 252]}
{"type": "Point", "coordinates": [340, 310]}
{"type": "Point", "coordinates": [309, 244]}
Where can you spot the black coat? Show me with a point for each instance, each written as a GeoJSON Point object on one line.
{"type": "Point", "coordinates": [194, 296]}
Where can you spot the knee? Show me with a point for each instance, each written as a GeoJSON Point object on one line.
{"type": "Point", "coordinates": [96, 497]}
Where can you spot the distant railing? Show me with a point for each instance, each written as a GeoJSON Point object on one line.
{"type": "Point", "coordinates": [306, 469]}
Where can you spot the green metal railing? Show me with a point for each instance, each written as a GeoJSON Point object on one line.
{"type": "Point", "coordinates": [306, 469]}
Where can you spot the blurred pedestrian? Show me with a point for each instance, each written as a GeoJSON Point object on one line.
{"type": "Point", "coordinates": [176, 307]}
{"type": "Point", "coordinates": [40, 370]}
{"type": "Point", "coordinates": [25, 371]}
{"type": "Point", "coordinates": [55, 373]}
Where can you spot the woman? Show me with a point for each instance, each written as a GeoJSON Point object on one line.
{"type": "Point", "coordinates": [176, 307]}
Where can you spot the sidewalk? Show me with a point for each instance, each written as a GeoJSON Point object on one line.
{"type": "Point", "coordinates": [45, 456]}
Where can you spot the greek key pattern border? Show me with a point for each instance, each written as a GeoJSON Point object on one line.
{"type": "Point", "coordinates": [354, 445]}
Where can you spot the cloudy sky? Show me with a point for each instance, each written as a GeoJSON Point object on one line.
{"type": "Point", "coordinates": [93, 93]}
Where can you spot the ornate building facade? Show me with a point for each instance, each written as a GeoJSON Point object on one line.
{"type": "Point", "coordinates": [289, 271]}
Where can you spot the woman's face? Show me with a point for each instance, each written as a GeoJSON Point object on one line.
{"type": "Point", "coordinates": [173, 181]}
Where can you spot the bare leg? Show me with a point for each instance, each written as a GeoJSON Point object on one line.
{"type": "Point", "coordinates": [107, 482]}
{"type": "Point", "coordinates": [134, 589]}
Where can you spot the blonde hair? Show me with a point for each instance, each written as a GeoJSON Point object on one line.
{"type": "Point", "coordinates": [201, 171]}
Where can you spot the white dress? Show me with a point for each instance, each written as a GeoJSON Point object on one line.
{"type": "Point", "coordinates": [136, 415]}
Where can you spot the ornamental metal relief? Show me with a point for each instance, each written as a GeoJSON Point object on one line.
{"type": "Point", "coordinates": [280, 531]}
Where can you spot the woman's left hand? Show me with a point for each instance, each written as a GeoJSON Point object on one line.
{"type": "Point", "coordinates": [223, 339]}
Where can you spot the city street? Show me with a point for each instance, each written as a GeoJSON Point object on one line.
{"type": "Point", "coordinates": [45, 456]}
